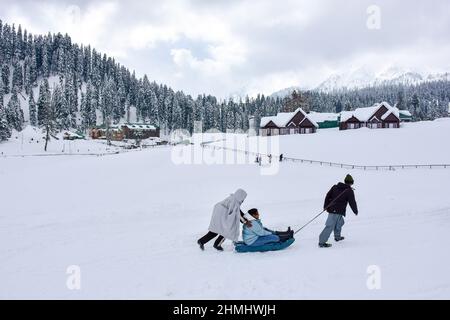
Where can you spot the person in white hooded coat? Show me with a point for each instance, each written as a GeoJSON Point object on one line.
{"type": "Point", "coordinates": [225, 220]}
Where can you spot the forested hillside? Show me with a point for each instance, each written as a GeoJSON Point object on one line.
{"type": "Point", "coordinates": [46, 80]}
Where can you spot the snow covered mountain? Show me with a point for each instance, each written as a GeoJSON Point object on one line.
{"type": "Point", "coordinates": [367, 77]}
{"type": "Point", "coordinates": [286, 92]}
{"type": "Point", "coordinates": [363, 77]}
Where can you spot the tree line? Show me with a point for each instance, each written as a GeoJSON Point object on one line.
{"type": "Point", "coordinates": [63, 85]}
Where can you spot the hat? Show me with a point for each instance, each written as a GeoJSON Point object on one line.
{"type": "Point", "coordinates": [252, 211]}
{"type": "Point", "coordinates": [349, 179]}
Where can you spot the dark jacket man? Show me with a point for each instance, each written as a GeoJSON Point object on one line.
{"type": "Point", "coordinates": [346, 196]}
{"type": "Point", "coordinates": [335, 203]}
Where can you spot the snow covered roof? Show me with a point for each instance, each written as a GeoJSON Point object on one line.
{"type": "Point", "coordinates": [72, 134]}
{"type": "Point", "coordinates": [392, 110]}
{"type": "Point", "coordinates": [405, 113]}
{"type": "Point", "coordinates": [322, 117]}
{"type": "Point", "coordinates": [139, 126]}
{"type": "Point", "coordinates": [364, 114]}
{"type": "Point", "coordinates": [282, 119]}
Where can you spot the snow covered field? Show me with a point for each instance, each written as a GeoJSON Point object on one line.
{"type": "Point", "coordinates": [131, 221]}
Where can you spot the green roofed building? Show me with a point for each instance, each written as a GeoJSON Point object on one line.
{"type": "Point", "coordinates": [325, 120]}
{"type": "Point", "coordinates": [405, 116]}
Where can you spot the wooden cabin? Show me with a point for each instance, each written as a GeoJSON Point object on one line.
{"type": "Point", "coordinates": [284, 123]}
{"type": "Point", "coordinates": [126, 131]}
{"type": "Point", "coordinates": [380, 115]}
{"type": "Point", "coordinates": [140, 131]}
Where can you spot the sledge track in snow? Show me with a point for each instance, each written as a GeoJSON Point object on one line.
{"type": "Point", "coordinates": [334, 164]}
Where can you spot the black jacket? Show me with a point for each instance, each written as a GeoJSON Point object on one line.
{"type": "Point", "coordinates": [333, 204]}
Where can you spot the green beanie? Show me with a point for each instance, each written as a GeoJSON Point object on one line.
{"type": "Point", "coordinates": [349, 179]}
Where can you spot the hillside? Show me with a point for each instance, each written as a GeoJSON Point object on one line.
{"type": "Point", "coordinates": [138, 240]}
{"type": "Point", "coordinates": [48, 79]}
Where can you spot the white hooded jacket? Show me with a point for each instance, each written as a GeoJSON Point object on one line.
{"type": "Point", "coordinates": [226, 216]}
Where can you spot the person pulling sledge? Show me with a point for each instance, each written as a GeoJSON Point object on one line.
{"type": "Point", "coordinates": [225, 221]}
{"type": "Point", "coordinates": [257, 235]}
{"type": "Point", "coordinates": [335, 203]}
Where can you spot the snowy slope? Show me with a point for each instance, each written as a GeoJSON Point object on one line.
{"type": "Point", "coordinates": [366, 77]}
{"type": "Point", "coordinates": [131, 221]}
{"type": "Point", "coordinates": [31, 141]}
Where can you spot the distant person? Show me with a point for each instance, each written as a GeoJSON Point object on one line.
{"type": "Point", "coordinates": [258, 235]}
{"type": "Point", "coordinates": [270, 158]}
{"type": "Point", "coordinates": [225, 221]}
{"type": "Point", "coordinates": [335, 203]}
{"type": "Point", "coordinates": [281, 157]}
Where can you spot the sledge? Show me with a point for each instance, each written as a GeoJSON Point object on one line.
{"type": "Point", "coordinates": [241, 247]}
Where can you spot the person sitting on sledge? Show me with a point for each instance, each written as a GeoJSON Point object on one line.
{"type": "Point", "coordinates": [257, 235]}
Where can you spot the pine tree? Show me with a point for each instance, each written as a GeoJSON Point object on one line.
{"type": "Point", "coordinates": [5, 78]}
{"type": "Point", "coordinates": [27, 76]}
{"type": "Point", "coordinates": [43, 104]}
{"type": "Point", "coordinates": [89, 114]}
{"type": "Point", "coordinates": [33, 65]}
{"type": "Point", "coordinates": [32, 108]}
{"type": "Point", "coordinates": [415, 106]}
{"type": "Point", "coordinates": [338, 106]}
{"type": "Point", "coordinates": [14, 114]}
{"type": "Point", "coordinates": [17, 80]}
{"type": "Point", "coordinates": [401, 100]}
{"type": "Point", "coordinates": [108, 101]}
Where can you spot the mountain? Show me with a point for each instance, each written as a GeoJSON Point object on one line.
{"type": "Point", "coordinates": [363, 77]}
{"type": "Point", "coordinates": [286, 92]}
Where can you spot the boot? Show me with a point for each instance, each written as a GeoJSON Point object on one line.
{"type": "Point", "coordinates": [285, 235]}
{"type": "Point", "coordinates": [337, 239]}
{"type": "Point", "coordinates": [324, 245]}
{"type": "Point", "coordinates": [202, 246]}
{"type": "Point", "coordinates": [219, 248]}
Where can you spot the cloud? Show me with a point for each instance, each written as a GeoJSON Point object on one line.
{"type": "Point", "coordinates": [219, 47]}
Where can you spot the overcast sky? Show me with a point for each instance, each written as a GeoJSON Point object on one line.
{"type": "Point", "coordinates": [222, 47]}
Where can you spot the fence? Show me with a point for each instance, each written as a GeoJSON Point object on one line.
{"type": "Point", "coordinates": [335, 164]}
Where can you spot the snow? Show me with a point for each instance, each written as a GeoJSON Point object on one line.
{"type": "Point", "coordinates": [138, 240]}
{"type": "Point", "coordinates": [405, 113]}
{"type": "Point", "coordinates": [31, 141]}
{"type": "Point", "coordinates": [323, 116]}
{"type": "Point", "coordinates": [140, 126]}
{"type": "Point", "coordinates": [368, 76]}
{"type": "Point", "coordinates": [282, 119]}
{"type": "Point", "coordinates": [364, 114]}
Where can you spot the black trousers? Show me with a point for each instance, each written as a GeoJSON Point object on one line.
{"type": "Point", "coordinates": [211, 235]}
